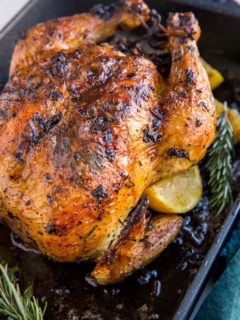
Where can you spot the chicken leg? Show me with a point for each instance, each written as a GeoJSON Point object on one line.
{"type": "Point", "coordinates": [70, 32]}
{"type": "Point", "coordinates": [140, 242]}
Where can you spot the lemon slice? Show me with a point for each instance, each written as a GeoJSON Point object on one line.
{"type": "Point", "coordinates": [215, 77]}
{"type": "Point", "coordinates": [178, 194]}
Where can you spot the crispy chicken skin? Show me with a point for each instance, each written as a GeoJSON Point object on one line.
{"type": "Point", "coordinates": [70, 32]}
{"type": "Point", "coordinates": [85, 129]}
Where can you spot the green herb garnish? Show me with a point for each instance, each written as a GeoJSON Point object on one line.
{"type": "Point", "coordinates": [220, 164]}
{"type": "Point", "coordinates": [13, 303]}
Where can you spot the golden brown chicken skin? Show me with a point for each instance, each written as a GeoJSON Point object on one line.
{"type": "Point", "coordinates": [70, 32]}
{"type": "Point", "coordinates": [84, 131]}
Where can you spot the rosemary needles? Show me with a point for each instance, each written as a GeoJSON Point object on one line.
{"type": "Point", "coordinates": [13, 303]}
{"type": "Point", "coordinates": [220, 164]}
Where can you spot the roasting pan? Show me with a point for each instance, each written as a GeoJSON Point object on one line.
{"type": "Point", "coordinates": [171, 287]}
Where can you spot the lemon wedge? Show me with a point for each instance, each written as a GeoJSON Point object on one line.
{"type": "Point", "coordinates": [234, 117]}
{"type": "Point", "coordinates": [178, 194]}
{"type": "Point", "coordinates": [215, 77]}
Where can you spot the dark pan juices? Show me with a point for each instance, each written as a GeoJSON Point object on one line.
{"type": "Point", "coordinates": [149, 293]}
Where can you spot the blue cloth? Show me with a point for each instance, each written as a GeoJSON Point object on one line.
{"type": "Point", "coordinates": [224, 301]}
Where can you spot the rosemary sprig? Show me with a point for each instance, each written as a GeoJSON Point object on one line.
{"type": "Point", "coordinates": [220, 164]}
{"type": "Point", "coordinates": [13, 303]}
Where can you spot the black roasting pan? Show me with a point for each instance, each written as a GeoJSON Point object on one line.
{"type": "Point", "coordinates": [171, 287]}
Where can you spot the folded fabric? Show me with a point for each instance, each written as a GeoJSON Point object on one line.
{"type": "Point", "coordinates": [224, 301]}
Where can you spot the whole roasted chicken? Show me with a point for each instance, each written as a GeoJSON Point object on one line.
{"type": "Point", "coordinates": [85, 129]}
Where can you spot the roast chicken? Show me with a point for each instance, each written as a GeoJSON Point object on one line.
{"type": "Point", "coordinates": [85, 129]}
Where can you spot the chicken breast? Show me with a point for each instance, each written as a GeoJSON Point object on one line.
{"type": "Point", "coordinates": [85, 129]}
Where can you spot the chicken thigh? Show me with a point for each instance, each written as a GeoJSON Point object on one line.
{"type": "Point", "coordinates": [85, 129]}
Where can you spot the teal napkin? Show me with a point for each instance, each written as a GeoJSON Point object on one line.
{"type": "Point", "coordinates": [224, 301]}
